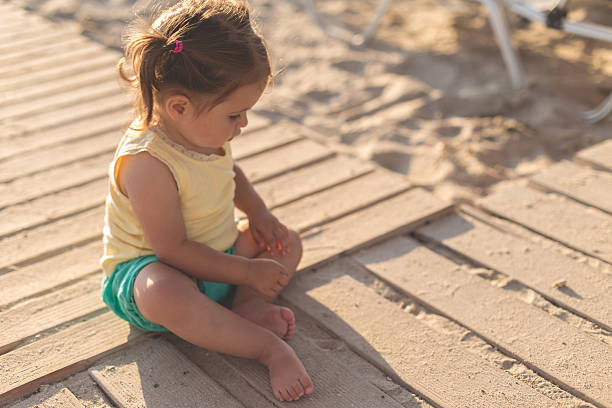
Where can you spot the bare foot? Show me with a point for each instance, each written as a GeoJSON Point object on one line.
{"type": "Point", "coordinates": [278, 319]}
{"type": "Point", "coordinates": [288, 376]}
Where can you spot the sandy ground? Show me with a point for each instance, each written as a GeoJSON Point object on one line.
{"type": "Point", "coordinates": [429, 96]}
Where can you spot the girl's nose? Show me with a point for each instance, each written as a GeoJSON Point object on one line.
{"type": "Point", "coordinates": [244, 121]}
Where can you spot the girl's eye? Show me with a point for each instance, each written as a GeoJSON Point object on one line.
{"type": "Point", "coordinates": [234, 117]}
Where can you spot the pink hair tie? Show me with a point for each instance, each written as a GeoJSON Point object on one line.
{"type": "Point", "coordinates": [178, 46]}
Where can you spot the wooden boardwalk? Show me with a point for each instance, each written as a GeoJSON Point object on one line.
{"type": "Point", "coordinates": [402, 300]}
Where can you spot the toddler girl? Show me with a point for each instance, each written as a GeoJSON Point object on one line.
{"type": "Point", "coordinates": [172, 250]}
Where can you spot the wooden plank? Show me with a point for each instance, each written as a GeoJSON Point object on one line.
{"type": "Point", "coordinates": [558, 351]}
{"type": "Point", "coordinates": [334, 385]}
{"type": "Point", "coordinates": [587, 229]}
{"type": "Point", "coordinates": [58, 270]}
{"type": "Point", "coordinates": [589, 187]}
{"type": "Point", "coordinates": [62, 354]}
{"type": "Point", "coordinates": [54, 180]}
{"type": "Point", "coordinates": [53, 72]}
{"type": "Point", "coordinates": [16, 55]}
{"type": "Point", "coordinates": [52, 207]}
{"type": "Point", "coordinates": [283, 159]}
{"type": "Point", "coordinates": [397, 215]}
{"type": "Point", "coordinates": [598, 156]}
{"type": "Point", "coordinates": [331, 204]}
{"type": "Point", "coordinates": [258, 140]}
{"type": "Point", "coordinates": [60, 86]}
{"type": "Point", "coordinates": [402, 346]}
{"type": "Point", "coordinates": [65, 115]}
{"type": "Point", "coordinates": [57, 396]}
{"type": "Point", "coordinates": [74, 96]}
{"type": "Point", "coordinates": [319, 176]}
{"type": "Point", "coordinates": [155, 374]}
{"type": "Point", "coordinates": [58, 155]}
{"type": "Point", "coordinates": [222, 372]}
{"type": "Point", "coordinates": [51, 310]}
{"type": "Point", "coordinates": [107, 122]}
{"type": "Point", "coordinates": [43, 36]}
{"type": "Point", "coordinates": [52, 238]}
{"type": "Point", "coordinates": [586, 291]}
{"type": "Point", "coordinates": [65, 58]}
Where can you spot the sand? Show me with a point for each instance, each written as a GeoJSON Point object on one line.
{"type": "Point", "coordinates": [429, 96]}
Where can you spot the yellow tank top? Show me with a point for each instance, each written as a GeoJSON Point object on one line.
{"type": "Point", "coordinates": [206, 190]}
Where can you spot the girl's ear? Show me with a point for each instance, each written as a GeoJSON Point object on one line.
{"type": "Point", "coordinates": [178, 107]}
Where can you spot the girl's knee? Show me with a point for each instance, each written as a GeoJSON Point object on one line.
{"type": "Point", "coordinates": [157, 287]}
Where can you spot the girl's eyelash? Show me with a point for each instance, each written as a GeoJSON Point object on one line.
{"type": "Point", "coordinates": [234, 117]}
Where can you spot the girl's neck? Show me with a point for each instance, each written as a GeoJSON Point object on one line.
{"type": "Point", "coordinates": [174, 134]}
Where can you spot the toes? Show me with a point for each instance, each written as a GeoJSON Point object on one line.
{"type": "Point", "coordinates": [307, 384]}
{"type": "Point", "coordinates": [298, 390]}
{"type": "Point", "coordinates": [287, 316]}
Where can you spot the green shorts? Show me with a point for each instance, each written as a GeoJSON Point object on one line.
{"type": "Point", "coordinates": [118, 291]}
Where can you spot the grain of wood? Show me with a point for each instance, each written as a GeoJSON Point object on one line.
{"type": "Point", "coordinates": [54, 180]}
{"type": "Point", "coordinates": [586, 291]}
{"type": "Point", "coordinates": [334, 385]}
{"type": "Point", "coordinates": [308, 180]}
{"type": "Point", "coordinates": [53, 73]}
{"type": "Point", "coordinates": [401, 345]}
{"type": "Point", "coordinates": [62, 354]}
{"type": "Point", "coordinates": [584, 228]}
{"type": "Point", "coordinates": [341, 200]}
{"type": "Point", "coordinates": [399, 214]}
{"type": "Point", "coordinates": [259, 140]}
{"type": "Point", "coordinates": [558, 351]}
{"type": "Point", "coordinates": [590, 187]}
{"type": "Point", "coordinates": [17, 56]}
{"type": "Point", "coordinates": [49, 311]}
{"type": "Point", "coordinates": [58, 155]}
{"type": "Point", "coordinates": [283, 159]}
{"type": "Point", "coordinates": [598, 156]}
{"type": "Point", "coordinates": [58, 270]}
{"type": "Point", "coordinates": [57, 396]}
{"type": "Point", "coordinates": [155, 374]}
{"type": "Point", "coordinates": [51, 238]}
{"type": "Point", "coordinates": [38, 38]}
{"type": "Point", "coordinates": [64, 115]}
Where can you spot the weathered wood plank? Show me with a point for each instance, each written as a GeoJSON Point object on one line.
{"type": "Point", "coordinates": [402, 346]}
{"type": "Point", "coordinates": [64, 115]}
{"type": "Point", "coordinates": [49, 311]}
{"type": "Point", "coordinates": [399, 214]}
{"type": "Point", "coordinates": [590, 187]}
{"type": "Point", "coordinates": [258, 140]}
{"type": "Point", "coordinates": [155, 374]}
{"type": "Point", "coordinates": [52, 207]}
{"type": "Point", "coordinates": [283, 159]}
{"type": "Point", "coordinates": [57, 270]}
{"type": "Point", "coordinates": [334, 385]}
{"type": "Point", "coordinates": [598, 156]}
{"type": "Point", "coordinates": [52, 238]}
{"type": "Point", "coordinates": [586, 291]}
{"type": "Point", "coordinates": [54, 180]}
{"type": "Point", "coordinates": [53, 72]}
{"type": "Point", "coordinates": [586, 229]}
{"type": "Point", "coordinates": [46, 34]}
{"type": "Point", "coordinates": [65, 58]}
{"type": "Point", "coordinates": [58, 155]}
{"type": "Point", "coordinates": [75, 96]}
{"type": "Point", "coordinates": [106, 122]}
{"type": "Point", "coordinates": [58, 396]}
{"type": "Point", "coordinates": [16, 55]}
{"type": "Point", "coordinates": [308, 180]}
{"type": "Point", "coordinates": [558, 351]}
{"type": "Point", "coordinates": [331, 204]}
{"type": "Point", "coordinates": [62, 354]}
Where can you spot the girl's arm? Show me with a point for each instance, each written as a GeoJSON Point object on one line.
{"type": "Point", "coordinates": [267, 231]}
{"type": "Point", "coordinates": [153, 194]}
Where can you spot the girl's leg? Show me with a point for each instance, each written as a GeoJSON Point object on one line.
{"type": "Point", "coordinates": [172, 299]}
{"type": "Point", "coordinates": [250, 304]}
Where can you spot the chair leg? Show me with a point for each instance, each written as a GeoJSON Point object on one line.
{"type": "Point", "coordinates": [599, 112]}
{"type": "Point", "coordinates": [500, 28]}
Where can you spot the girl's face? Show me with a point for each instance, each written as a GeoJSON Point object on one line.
{"type": "Point", "coordinates": [207, 131]}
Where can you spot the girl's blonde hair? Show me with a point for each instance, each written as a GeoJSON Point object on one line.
{"type": "Point", "coordinates": [218, 51]}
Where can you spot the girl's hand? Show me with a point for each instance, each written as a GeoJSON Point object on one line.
{"type": "Point", "coordinates": [269, 233]}
{"type": "Point", "coordinates": [267, 277]}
